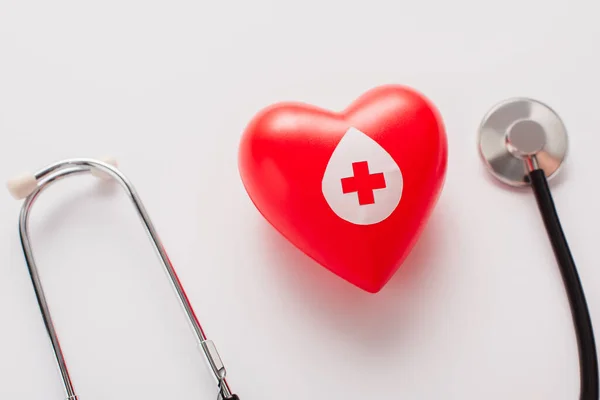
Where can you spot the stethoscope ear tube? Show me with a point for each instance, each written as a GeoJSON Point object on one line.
{"type": "Point", "coordinates": [29, 187]}
{"type": "Point", "coordinates": [588, 361]}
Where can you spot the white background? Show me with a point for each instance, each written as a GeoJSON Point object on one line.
{"type": "Point", "coordinates": [477, 311]}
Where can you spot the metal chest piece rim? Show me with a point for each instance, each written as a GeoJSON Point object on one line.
{"type": "Point", "coordinates": [518, 131]}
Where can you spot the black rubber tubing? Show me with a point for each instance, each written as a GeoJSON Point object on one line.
{"type": "Point", "coordinates": [588, 361]}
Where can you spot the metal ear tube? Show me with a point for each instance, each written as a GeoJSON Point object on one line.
{"type": "Point", "coordinates": [29, 187]}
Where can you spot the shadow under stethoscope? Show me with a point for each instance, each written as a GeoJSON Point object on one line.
{"type": "Point", "coordinates": [350, 312]}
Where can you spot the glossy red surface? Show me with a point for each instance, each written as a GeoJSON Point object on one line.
{"type": "Point", "coordinates": [284, 153]}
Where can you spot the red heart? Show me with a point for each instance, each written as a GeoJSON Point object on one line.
{"type": "Point", "coordinates": [357, 208]}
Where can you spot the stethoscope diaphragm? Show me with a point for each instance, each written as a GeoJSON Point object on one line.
{"type": "Point", "coordinates": [518, 132]}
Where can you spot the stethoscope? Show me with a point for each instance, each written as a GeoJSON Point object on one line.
{"type": "Point", "coordinates": [522, 142]}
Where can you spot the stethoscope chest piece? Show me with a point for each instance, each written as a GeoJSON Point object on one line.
{"type": "Point", "coordinates": [523, 142]}
{"type": "Point", "coordinates": [519, 132]}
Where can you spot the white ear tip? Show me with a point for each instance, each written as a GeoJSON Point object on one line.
{"type": "Point", "coordinates": [22, 186]}
{"type": "Point", "coordinates": [102, 175]}
{"type": "Point", "coordinates": [110, 160]}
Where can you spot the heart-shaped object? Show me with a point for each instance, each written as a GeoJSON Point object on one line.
{"type": "Point", "coordinates": [352, 189]}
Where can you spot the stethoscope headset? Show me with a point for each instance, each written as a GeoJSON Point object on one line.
{"type": "Point", "coordinates": [523, 143]}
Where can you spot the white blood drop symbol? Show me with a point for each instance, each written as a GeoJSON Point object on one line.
{"type": "Point", "coordinates": [362, 183]}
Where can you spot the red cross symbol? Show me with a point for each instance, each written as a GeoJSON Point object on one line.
{"type": "Point", "coordinates": [363, 183]}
